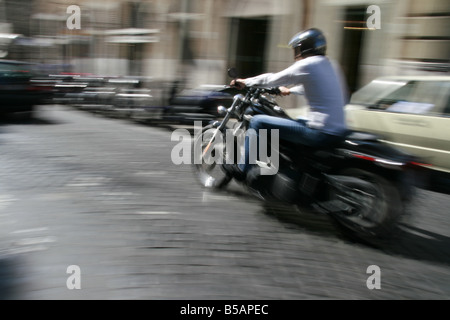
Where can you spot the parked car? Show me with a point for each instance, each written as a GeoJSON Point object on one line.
{"type": "Point", "coordinates": [75, 88]}
{"type": "Point", "coordinates": [411, 113]}
{"type": "Point", "coordinates": [21, 88]}
{"type": "Point", "coordinates": [129, 102]}
{"type": "Point", "coordinates": [197, 104]}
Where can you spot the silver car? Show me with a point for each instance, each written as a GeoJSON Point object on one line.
{"type": "Point", "coordinates": [411, 113]}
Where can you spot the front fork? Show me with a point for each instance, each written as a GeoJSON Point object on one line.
{"type": "Point", "coordinates": [237, 103]}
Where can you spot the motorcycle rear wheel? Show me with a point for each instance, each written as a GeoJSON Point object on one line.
{"type": "Point", "coordinates": [376, 211]}
{"type": "Point", "coordinates": [210, 174]}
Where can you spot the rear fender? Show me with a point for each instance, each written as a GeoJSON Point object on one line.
{"type": "Point", "coordinates": [375, 151]}
{"type": "Point", "coordinates": [400, 168]}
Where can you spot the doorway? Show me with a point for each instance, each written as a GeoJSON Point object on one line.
{"type": "Point", "coordinates": [248, 52]}
{"type": "Point", "coordinates": [352, 44]}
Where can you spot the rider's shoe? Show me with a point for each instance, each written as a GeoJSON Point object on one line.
{"type": "Point", "coordinates": [235, 172]}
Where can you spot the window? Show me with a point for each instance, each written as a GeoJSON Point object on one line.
{"type": "Point", "coordinates": [403, 94]}
{"type": "Point", "coordinates": [15, 70]}
{"type": "Point", "coordinates": [417, 97]}
{"type": "Point", "coordinates": [446, 112]}
{"type": "Point", "coordinates": [371, 93]}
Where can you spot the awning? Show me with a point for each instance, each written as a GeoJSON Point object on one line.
{"type": "Point", "coordinates": [7, 37]}
{"type": "Point", "coordinates": [51, 41]}
{"type": "Point", "coordinates": [132, 39]}
{"type": "Point", "coordinates": [130, 32]}
{"type": "Point", "coordinates": [256, 8]}
{"type": "Point", "coordinates": [49, 17]}
{"type": "Point", "coordinates": [185, 16]}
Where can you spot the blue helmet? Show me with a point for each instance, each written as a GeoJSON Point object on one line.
{"type": "Point", "coordinates": [310, 42]}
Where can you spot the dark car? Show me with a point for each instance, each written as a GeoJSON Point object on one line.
{"type": "Point", "coordinates": [198, 104]}
{"type": "Point", "coordinates": [20, 87]}
{"type": "Point", "coordinates": [73, 88]}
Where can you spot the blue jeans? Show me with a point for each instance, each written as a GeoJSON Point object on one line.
{"type": "Point", "coordinates": [295, 131]}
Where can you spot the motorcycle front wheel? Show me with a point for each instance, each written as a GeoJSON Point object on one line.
{"type": "Point", "coordinates": [208, 156]}
{"type": "Point", "coordinates": [376, 208]}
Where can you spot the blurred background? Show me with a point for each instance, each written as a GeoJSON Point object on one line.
{"type": "Point", "coordinates": [193, 42]}
{"type": "Point", "coordinates": [168, 59]}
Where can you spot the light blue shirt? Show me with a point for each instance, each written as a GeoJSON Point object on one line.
{"type": "Point", "coordinates": [322, 87]}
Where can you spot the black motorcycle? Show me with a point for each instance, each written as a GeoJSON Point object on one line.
{"type": "Point", "coordinates": [362, 183]}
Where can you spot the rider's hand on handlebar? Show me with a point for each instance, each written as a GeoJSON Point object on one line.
{"type": "Point", "coordinates": [238, 83]}
{"type": "Point", "coordinates": [284, 91]}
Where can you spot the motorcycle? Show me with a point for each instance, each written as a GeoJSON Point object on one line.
{"type": "Point", "coordinates": [363, 184]}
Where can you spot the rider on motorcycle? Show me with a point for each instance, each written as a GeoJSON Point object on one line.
{"type": "Point", "coordinates": [313, 75]}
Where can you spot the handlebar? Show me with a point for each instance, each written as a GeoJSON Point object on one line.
{"type": "Point", "coordinates": [275, 91]}
{"type": "Point", "coordinates": [272, 90]}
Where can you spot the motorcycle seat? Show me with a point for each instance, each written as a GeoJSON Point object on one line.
{"type": "Point", "coordinates": [348, 135]}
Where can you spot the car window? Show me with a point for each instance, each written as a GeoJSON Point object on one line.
{"type": "Point", "coordinates": [401, 94]}
{"type": "Point", "coordinates": [371, 93]}
{"type": "Point", "coordinates": [432, 92]}
{"type": "Point", "coordinates": [14, 70]}
{"type": "Point", "coordinates": [446, 100]}
{"type": "Point", "coordinates": [417, 97]}
{"type": "Point", "coordinates": [7, 67]}
{"type": "Point", "coordinates": [446, 112]}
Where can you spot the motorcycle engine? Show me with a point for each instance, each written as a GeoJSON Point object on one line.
{"type": "Point", "coordinates": [283, 186]}
{"type": "Point", "coordinates": [259, 183]}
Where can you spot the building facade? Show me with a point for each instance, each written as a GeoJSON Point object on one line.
{"type": "Point", "coordinates": [198, 40]}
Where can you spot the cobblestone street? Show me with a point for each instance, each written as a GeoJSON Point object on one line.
{"type": "Point", "coordinates": [102, 194]}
